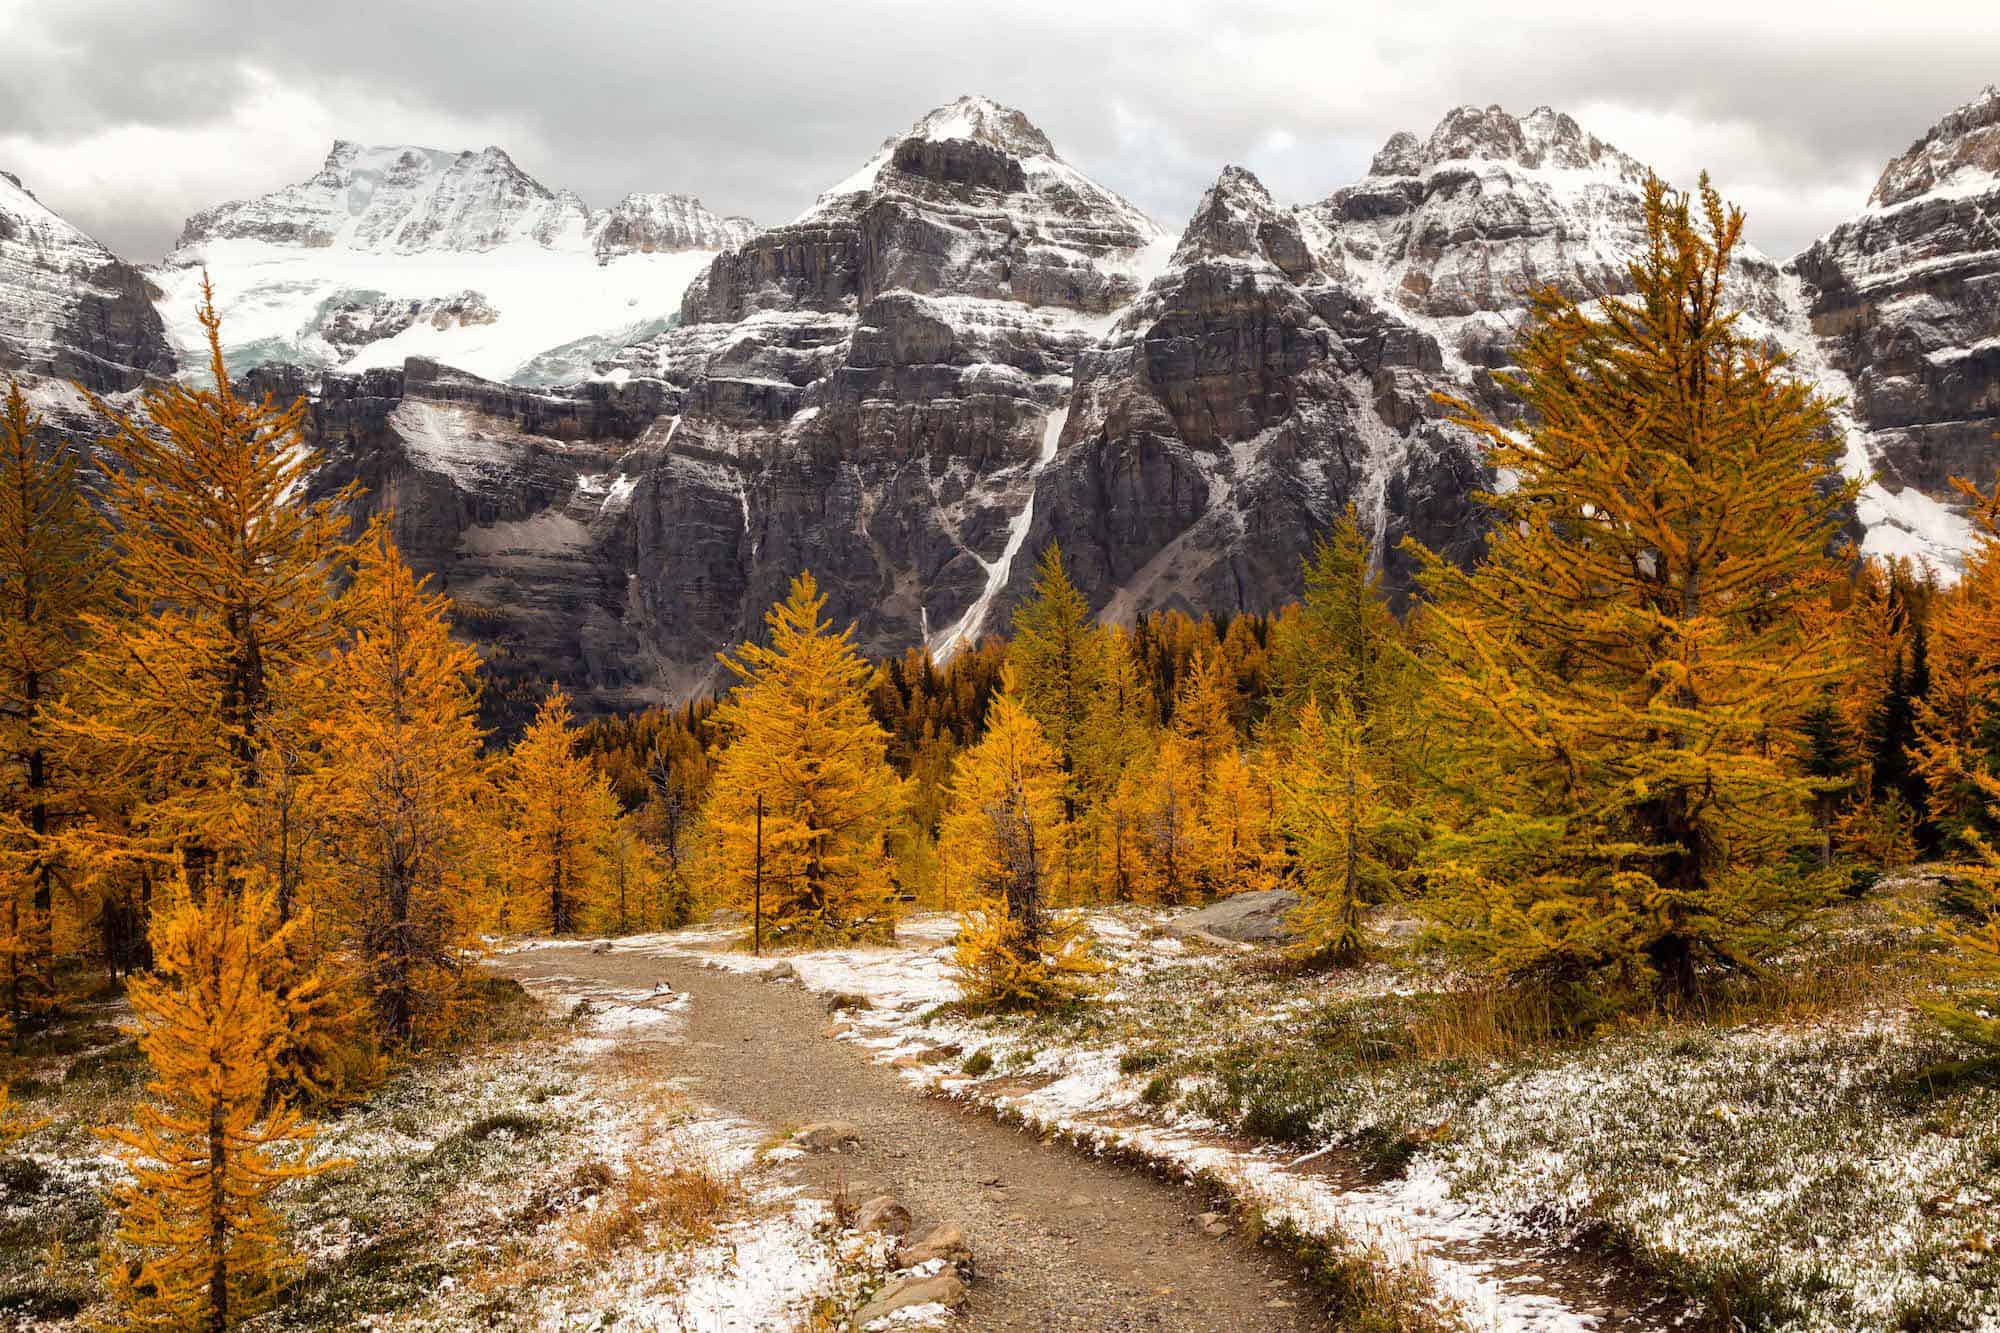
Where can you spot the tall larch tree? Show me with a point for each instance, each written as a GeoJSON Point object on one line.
{"type": "Point", "coordinates": [1058, 656]}
{"type": "Point", "coordinates": [397, 777]}
{"type": "Point", "coordinates": [1628, 668]}
{"type": "Point", "coordinates": [211, 1147]}
{"type": "Point", "coordinates": [223, 575]}
{"type": "Point", "coordinates": [801, 740]}
{"type": "Point", "coordinates": [1331, 808]}
{"type": "Point", "coordinates": [1001, 843]}
{"type": "Point", "coordinates": [1958, 754]}
{"type": "Point", "coordinates": [52, 573]}
{"type": "Point", "coordinates": [562, 816]}
{"type": "Point", "coordinates": [1342, 639]}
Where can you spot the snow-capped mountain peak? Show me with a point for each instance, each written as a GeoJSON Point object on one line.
{"type": "Point", "coordinates": [983, 120]}
{"type": "Point", "coordinates": [394, 251]}
{"type": "Point", "coordinates": [975, 141]}
{"type": "Point", "coordinates": [68, 306]}
{"type": "Point", "coordinates": [1959, 156]}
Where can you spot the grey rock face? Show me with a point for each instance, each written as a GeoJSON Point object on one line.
{"type": "Point", "coordinates": [1905, 300]}
{"type": "Point", "coordinates": [1246, 918]}
{"type": "Point", "coordinates": [69, 308]}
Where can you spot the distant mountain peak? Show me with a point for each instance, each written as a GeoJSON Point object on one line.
{"type": "Point", "coordinates": [409, 199]}
{"type": "Point", "coordinates": [1958, 154]}
{"type": "Point", "coordinates": [1544, 138]}
{"type": "Point", "coordinates": [983, 120]}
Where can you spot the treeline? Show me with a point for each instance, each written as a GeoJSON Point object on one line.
{"type": "Point", "coordinates": [242, 768]}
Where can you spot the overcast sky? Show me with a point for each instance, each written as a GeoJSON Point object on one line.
{"type": "Point", "coordinates": [127, 115]}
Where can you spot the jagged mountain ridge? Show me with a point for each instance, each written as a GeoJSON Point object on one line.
{"type": "Point", "coordinates": [380, 253]}
{"type": "Point", "coordinates": [967, 349]}
{"type": "Point", "coordinates": [1904, 306]}
{"type": "Point", "coordinates": [69, 308]}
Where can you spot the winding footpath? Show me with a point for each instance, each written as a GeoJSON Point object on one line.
{"type": "Point", "coordinates": [1061, 1241]}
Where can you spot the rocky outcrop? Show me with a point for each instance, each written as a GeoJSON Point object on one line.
{"type": "Point", "coordinates": [650, 223]}
{"type": "Point", "coordinates": [69, 308]}
{"type": "Point", "coordinates": [1905, 302]}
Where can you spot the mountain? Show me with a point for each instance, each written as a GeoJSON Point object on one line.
{"type": "Point", "coordinates": [868, 390]}
{"type": "Point", "coordinates": [1283, 366]}
{"type": "Point", "coordinates": [968, 349]}
{"type": "Point", "coordinates": [69, 308]}
{"type": "Point", "coordinates": [1904, 303]}
{"type": "Point", "coordinates": [387, 253]}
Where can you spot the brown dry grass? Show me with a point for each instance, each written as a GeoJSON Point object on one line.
{"type": "Point", "coordinates": [673, 1198]}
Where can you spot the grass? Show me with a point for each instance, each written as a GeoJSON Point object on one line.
{"type": "Point", "coordinates": [1800, 1152]}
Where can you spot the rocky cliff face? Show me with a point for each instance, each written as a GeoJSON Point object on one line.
{"type": "Point", "coordinates": [349, 268]}
{"type": "Point", "coordinates": [1904, 300]}
{"type": "Point", "coordinates": [968, 349]}
{"type": "Point", "coordinates": [1283, 366]}
{"type": "Point", "coordinates": [69, 308]}
{"type": "Point", "coordinates": [871, 389]}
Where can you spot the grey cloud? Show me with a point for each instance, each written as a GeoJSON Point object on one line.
{"type": "Point", "coordinates": [757, 105]}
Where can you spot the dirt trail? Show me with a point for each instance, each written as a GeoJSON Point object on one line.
{"type": "Point", "coordinates": [1062, 1241]}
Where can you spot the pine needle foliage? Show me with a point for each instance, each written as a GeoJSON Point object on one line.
{"type": "Point", "coordinates": [211, 1148]}
{"type": "Point", "coordinates": [398, 777]}
{"type": "Point", "coordinates": [1958, 755]}
{"type": "Point", "coordinates": [801, 738]}
{"type": "Point", "coordinates": [223, 575]}
{"type": "Point", "coordinates": [1002, 841]}
{"type": "Point", "coordinates": [562, 816]}
{"type": "Point", "coordinates": [52, 573]}
{"type": "Point", "coordinates": [1628, 668]}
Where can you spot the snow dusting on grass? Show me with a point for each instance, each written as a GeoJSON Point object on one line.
{"type": "Point", "coordinates": [1783, 1172]}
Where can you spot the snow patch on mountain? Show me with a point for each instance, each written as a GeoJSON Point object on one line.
{"type": "Point", "coordinates": [415, 226]}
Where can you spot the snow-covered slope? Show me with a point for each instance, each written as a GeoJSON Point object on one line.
{"type": "Point", "coordinates": [1904, 303]}
{"type": "Point", "coordinates": [415, 239]}
{"type": "Point", "coordinates": [68, 307]}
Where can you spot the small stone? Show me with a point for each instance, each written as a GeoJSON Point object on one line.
{"type": "Point", "coordinates": [827, 1136]}
{"type": "Point", "coordinates": [943, 1241]}
{"type": "Point", "coordinates": [782, 972]}
{"type": "Point", "coordinates": [1214, 1224]}
{"type": "Point", "coordinates": [1078, 1201]}
{"type": "Point", "coordinates": [845, 1000]}
{"type": "Point", "coordinates": [884, 1213]}
{"type": "Point", "coordinates": [602, 946]}
{"type": "Point", "coordinates": [944, 1289]}
{"type": "Point", "coordinates": [991, 1182]}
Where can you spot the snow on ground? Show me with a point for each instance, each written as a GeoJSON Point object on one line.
{"type": "Point", "coordinates": [1083, 1094]}
{"type": "Point", "coordinates": [1799, 1163]}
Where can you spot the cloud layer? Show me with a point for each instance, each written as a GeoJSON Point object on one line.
{"type": "Point", "coordinates": [128, 115]}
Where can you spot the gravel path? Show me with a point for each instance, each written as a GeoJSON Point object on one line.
{"type": "Point", "coordinates": [1061, 1241]}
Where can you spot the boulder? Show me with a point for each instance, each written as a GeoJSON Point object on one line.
{"type": "Point", "coordinates": [1244, 918]}
{"type": "Point", "coordinates": [827, 1136]}
{"type": "Point", "coordinates": [945, 1289]}
{"type": "Point", "coordinates": [943, 1241]}
{"type": "Point", "coordinates": [883, 1213]}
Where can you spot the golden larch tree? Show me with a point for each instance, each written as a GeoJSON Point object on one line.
{"type": "Point", "coordinates": [210, 1149]}
{"type": "Point", "coordinates": [1002, 840]}
{"type": "Point", "coordinates": [1958, 752]}
{"type": "Point", "coordinates": [52, 572]}
{"type": "Point", "coordinates": [397, 777]}
{"type": "Point", "coordinates": [223, 572]}
{"type": "Point", "coordinates": [562, 816]}
{"type": "Point", "coordinates": [801, 738]}
{"type": "Point", "coordinates": [1627, 669]}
